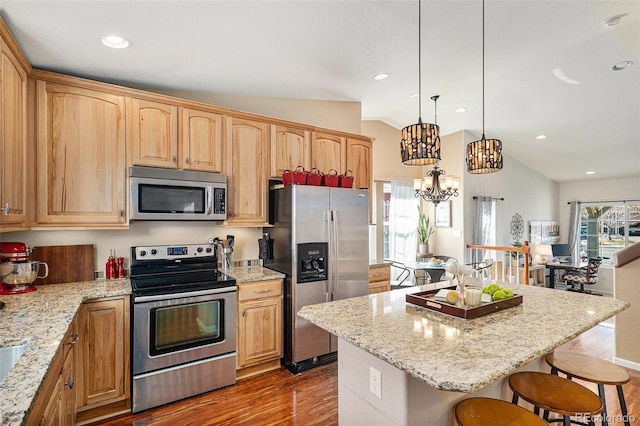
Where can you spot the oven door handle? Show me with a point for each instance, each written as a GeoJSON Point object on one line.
{"type": "Point", "coordinates": [169, 296]}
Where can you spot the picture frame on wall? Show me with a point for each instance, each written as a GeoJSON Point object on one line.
{"type": "Point", "coordinates": [544, 232]}
{"type": "Point", "coordinates": [443, 214]}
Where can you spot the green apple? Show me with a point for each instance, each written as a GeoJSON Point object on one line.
{"type": "Point", "coordinates": [508, 292]}
{"type": "Point", "coordinates": [499, 295]}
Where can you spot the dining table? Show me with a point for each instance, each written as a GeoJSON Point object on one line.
{"type": "Point", "coordinates": [434, 269]}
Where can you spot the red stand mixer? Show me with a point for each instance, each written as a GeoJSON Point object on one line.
{"type": "Point", "coordinates": [17, 271]}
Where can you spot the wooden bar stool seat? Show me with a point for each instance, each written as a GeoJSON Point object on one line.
{"type": "Point", "coordinates": [555, 394]}
{"type": "Point", "coordinates": [493, 412]}
{"type": "Point", "coordinates": [592, 370]}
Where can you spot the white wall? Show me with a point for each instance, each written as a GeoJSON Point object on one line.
{"type": "Point", "coordinates": [525, 191]}
{"type": "Point", "coordinates": [337, 115]}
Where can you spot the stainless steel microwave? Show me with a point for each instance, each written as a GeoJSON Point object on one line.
{"type": "Point", "coordinates": [165, 194]}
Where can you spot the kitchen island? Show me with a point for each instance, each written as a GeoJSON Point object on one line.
{"type": "Point", "coordinates": [428, 361]}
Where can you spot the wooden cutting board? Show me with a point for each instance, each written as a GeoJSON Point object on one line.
{"type": "Point", "coordinates": [67, 264]}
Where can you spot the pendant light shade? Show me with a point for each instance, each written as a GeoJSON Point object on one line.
{"type": "Point", "coordinates": [420, 144]}
{"type": "Point", "coordinates": [484, 155]}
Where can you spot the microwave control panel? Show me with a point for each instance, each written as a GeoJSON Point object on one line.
{"type": "Point", "coordinates": [312, 262]}
{"type": "Point", "coordinates": [219, 201]}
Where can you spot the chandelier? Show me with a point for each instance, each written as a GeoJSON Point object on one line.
{"type": "Point", "coordinates": [420, 144]}
{"type": "Point", "coordinates": [431, 189]}
{"type": "Point", "coordinates": [484, 155]}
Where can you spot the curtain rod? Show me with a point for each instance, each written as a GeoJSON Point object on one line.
{"type": "Point", "coordinates": [606, 201]}
{"type": "Point", "coordinates": [475, 197]}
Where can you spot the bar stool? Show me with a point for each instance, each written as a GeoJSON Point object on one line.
{"type": "Point", "coordinates": [556, 394]}
{"type": "Point", "coordinates": [592, 370]}
{"type": "Point", "coordinates": [494, 412]}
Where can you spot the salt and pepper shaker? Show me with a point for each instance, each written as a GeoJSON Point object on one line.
{"type": "Point", "coordinates": [121, 272]}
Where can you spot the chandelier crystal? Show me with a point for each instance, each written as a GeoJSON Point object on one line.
{"type": "Point", "coordinates": [420, 144]}
{"type": "Point", "coordinates": [431, 188]}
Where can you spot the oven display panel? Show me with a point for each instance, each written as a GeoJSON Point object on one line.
{"type": "Point", "coordinates": [177, 251]}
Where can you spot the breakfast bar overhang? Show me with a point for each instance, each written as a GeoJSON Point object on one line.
{"type": "Point", "coordinates": [428, 361]}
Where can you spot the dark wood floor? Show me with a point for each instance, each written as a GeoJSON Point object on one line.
{"type": "Point", "coordinates": [311, 398]}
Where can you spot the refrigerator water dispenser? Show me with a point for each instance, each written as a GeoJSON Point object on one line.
{"type": "Point", "coordinates": [312, 262]}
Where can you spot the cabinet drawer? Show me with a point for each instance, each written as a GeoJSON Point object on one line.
{"type": "Point", "coordinates": [259, 289]}
{"type": "Point", "coordinates": [379, 274]}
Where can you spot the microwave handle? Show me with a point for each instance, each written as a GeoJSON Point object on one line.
{"type": "Point", "coordinates": [209, 200]}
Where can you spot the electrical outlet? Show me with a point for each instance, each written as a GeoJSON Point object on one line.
{"type": "Point", "coordinates": [375, 382]}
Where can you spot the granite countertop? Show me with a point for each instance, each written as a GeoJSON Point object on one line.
{"type": "Point", "coordinates": [247, 274]}
{"type": "Point", "coordinates": [41, 318]}
{"type": "Point", "coordinates": [453, 354]}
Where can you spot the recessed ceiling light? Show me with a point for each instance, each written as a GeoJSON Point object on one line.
{"type": "Point", "coordinates": [116, 42]}
{"type": "Point", "coordinates": [460, 110]}
{"type": "Point", "coordinates": [590, 172]}
{"type": "Point", "coordinates": [415, 95]}
{"type": "Point", "coordinates": [380, 76]}
{"type": "Point", "coordinates": [622, 65]}
{"type": "Point", "coordinates": [541, 137]}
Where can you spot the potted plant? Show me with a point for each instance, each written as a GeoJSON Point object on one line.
{"type": "Point", "coordinates": [424, 230]}
{"type": "Point", "coordinates": [516, 257]}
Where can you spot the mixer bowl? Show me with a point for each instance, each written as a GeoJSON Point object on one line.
{"type": "Point", "coordinates": [21, 275]}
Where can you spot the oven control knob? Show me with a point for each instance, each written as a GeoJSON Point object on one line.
{"type": "Point", "coordinates": [199, 249]}
{"type": "Point", "coordinates": [208, 249]}
{"type": "Point", "coordinates": [142, 253]}
{"type": "Point", "coordinates": [154, 251]}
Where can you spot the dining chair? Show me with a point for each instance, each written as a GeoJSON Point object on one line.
{"type": "Point", "coordinates": [576, 279]}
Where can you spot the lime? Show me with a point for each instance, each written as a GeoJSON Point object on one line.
{"type": "Point", "coordinates": [499, 295]}
{"type": "Point", "coordinates": [493, 288]}
{"type": "Point", "coordinates": [485, 289]}
{"type": "Point", "coordinates": [453, 297]}
{"type": "Point", "coordinates": [508, 292]}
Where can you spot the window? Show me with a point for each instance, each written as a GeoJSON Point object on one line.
{"type": "Point", "coordinates": [397, 207]}
{"type": "Point", "coordinates": [606, 228]}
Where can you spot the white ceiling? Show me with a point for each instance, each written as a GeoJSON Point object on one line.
{"type": "Point", "coordinates": [330, 50]}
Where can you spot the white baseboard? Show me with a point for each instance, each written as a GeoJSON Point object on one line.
{"type": "Point", "coordinates": [626, 363]}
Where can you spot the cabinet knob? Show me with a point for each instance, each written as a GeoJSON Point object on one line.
{"type": "Point", "coordinates": [121, 213]}
{"type": "Point", "coordinates": [244, 311]}
{"type": "Point", "coordinates": [74, 339]}
{"type": "Point", "coordinates": [186, 160]}
{"type": "Point", "coordinates": [6, 209]}
{"type": "Point", "coordinates": [174, 159]}
{"type": "Point", "coordinates": [69, 382]}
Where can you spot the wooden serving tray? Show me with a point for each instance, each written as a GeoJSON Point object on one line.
{"type": "Point", "coordinates": [426, 299]}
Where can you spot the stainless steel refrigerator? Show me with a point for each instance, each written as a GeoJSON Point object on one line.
{"type": "Point", "coordinates": [321, 243]}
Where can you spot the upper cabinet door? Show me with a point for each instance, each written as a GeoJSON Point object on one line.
{"type": "Point", "coordinates": [153, 130]}
{"type": "Point", "coordinates": [359, 162]}
{"type": "Point", "coordinates": [13, 140]}
{"type": "Point", "coordinates": [201, 141]}
{"type": "Point", "coordinates": [247, 170]}
{"type": "Point", "coordinates": [328, 152]}
{"type": "Point", "coordinates": [289, 149]}
{"type": "Point", "coordinates": [81, 156]}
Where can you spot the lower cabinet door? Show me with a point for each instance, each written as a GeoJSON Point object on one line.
{"type": "Point", "coordinates": [259, 331]}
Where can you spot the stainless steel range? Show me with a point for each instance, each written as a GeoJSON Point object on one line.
{"type": "Point", "coordinates": [183, 325]}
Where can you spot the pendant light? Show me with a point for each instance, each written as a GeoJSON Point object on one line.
{"type": "Point", "coordinates": [484, 155]}
{"type": "Point", "coordinates": [420, 144]}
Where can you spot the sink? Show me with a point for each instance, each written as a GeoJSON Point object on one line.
{"type": "Point", "coordinates": [8, 357]}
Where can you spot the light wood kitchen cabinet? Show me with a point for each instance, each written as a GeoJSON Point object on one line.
{"type": "Point", "coordinates": [379, 279]}
{"type": "Point", "coordinates": [247, 144]}
{"type": "Point", "coordinates": [103, 353]}
{"type": "Point", "coordinates": [201, 141]}
{"type": "Point", "coordinates": [13, 133]}
{"type": "Point", "coordinates": [328, 152]}
{"type": "Point", "coordinates": [359, 156]}
{"type": "Point", "coordinates": [81, 156]}
{"type": "Point", "coordinates": [153, 133]}
{"type": "Point", "coordinates": [56, 403]}
{"type": "Point", "coordinates": [259, 330]}
{"type": "Point", "coordinates": [290, 148]}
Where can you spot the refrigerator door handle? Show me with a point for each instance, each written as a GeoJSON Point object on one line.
{"type": "Point", "coordinates": [333, 242]}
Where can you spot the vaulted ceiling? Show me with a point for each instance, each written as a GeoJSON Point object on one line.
{"type": "Point", "coordinates": [548, 66]}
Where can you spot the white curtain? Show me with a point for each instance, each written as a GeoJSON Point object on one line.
{"type": "Point", "coordinates": [574, 227]}
{"type": "Point", "coordinates": [484, 227]}
{"type": "Point", "coordinates": [403, 220]}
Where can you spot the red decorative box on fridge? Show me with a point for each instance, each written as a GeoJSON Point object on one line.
{"type": "Point", "coordinates": [332, 178]}
{"type": "Point", "coordinates": [298, 176]}
{"type": "Point", "coordinates": [346, 180]}
{"type": "Point", "coordinates": [315, 177]}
